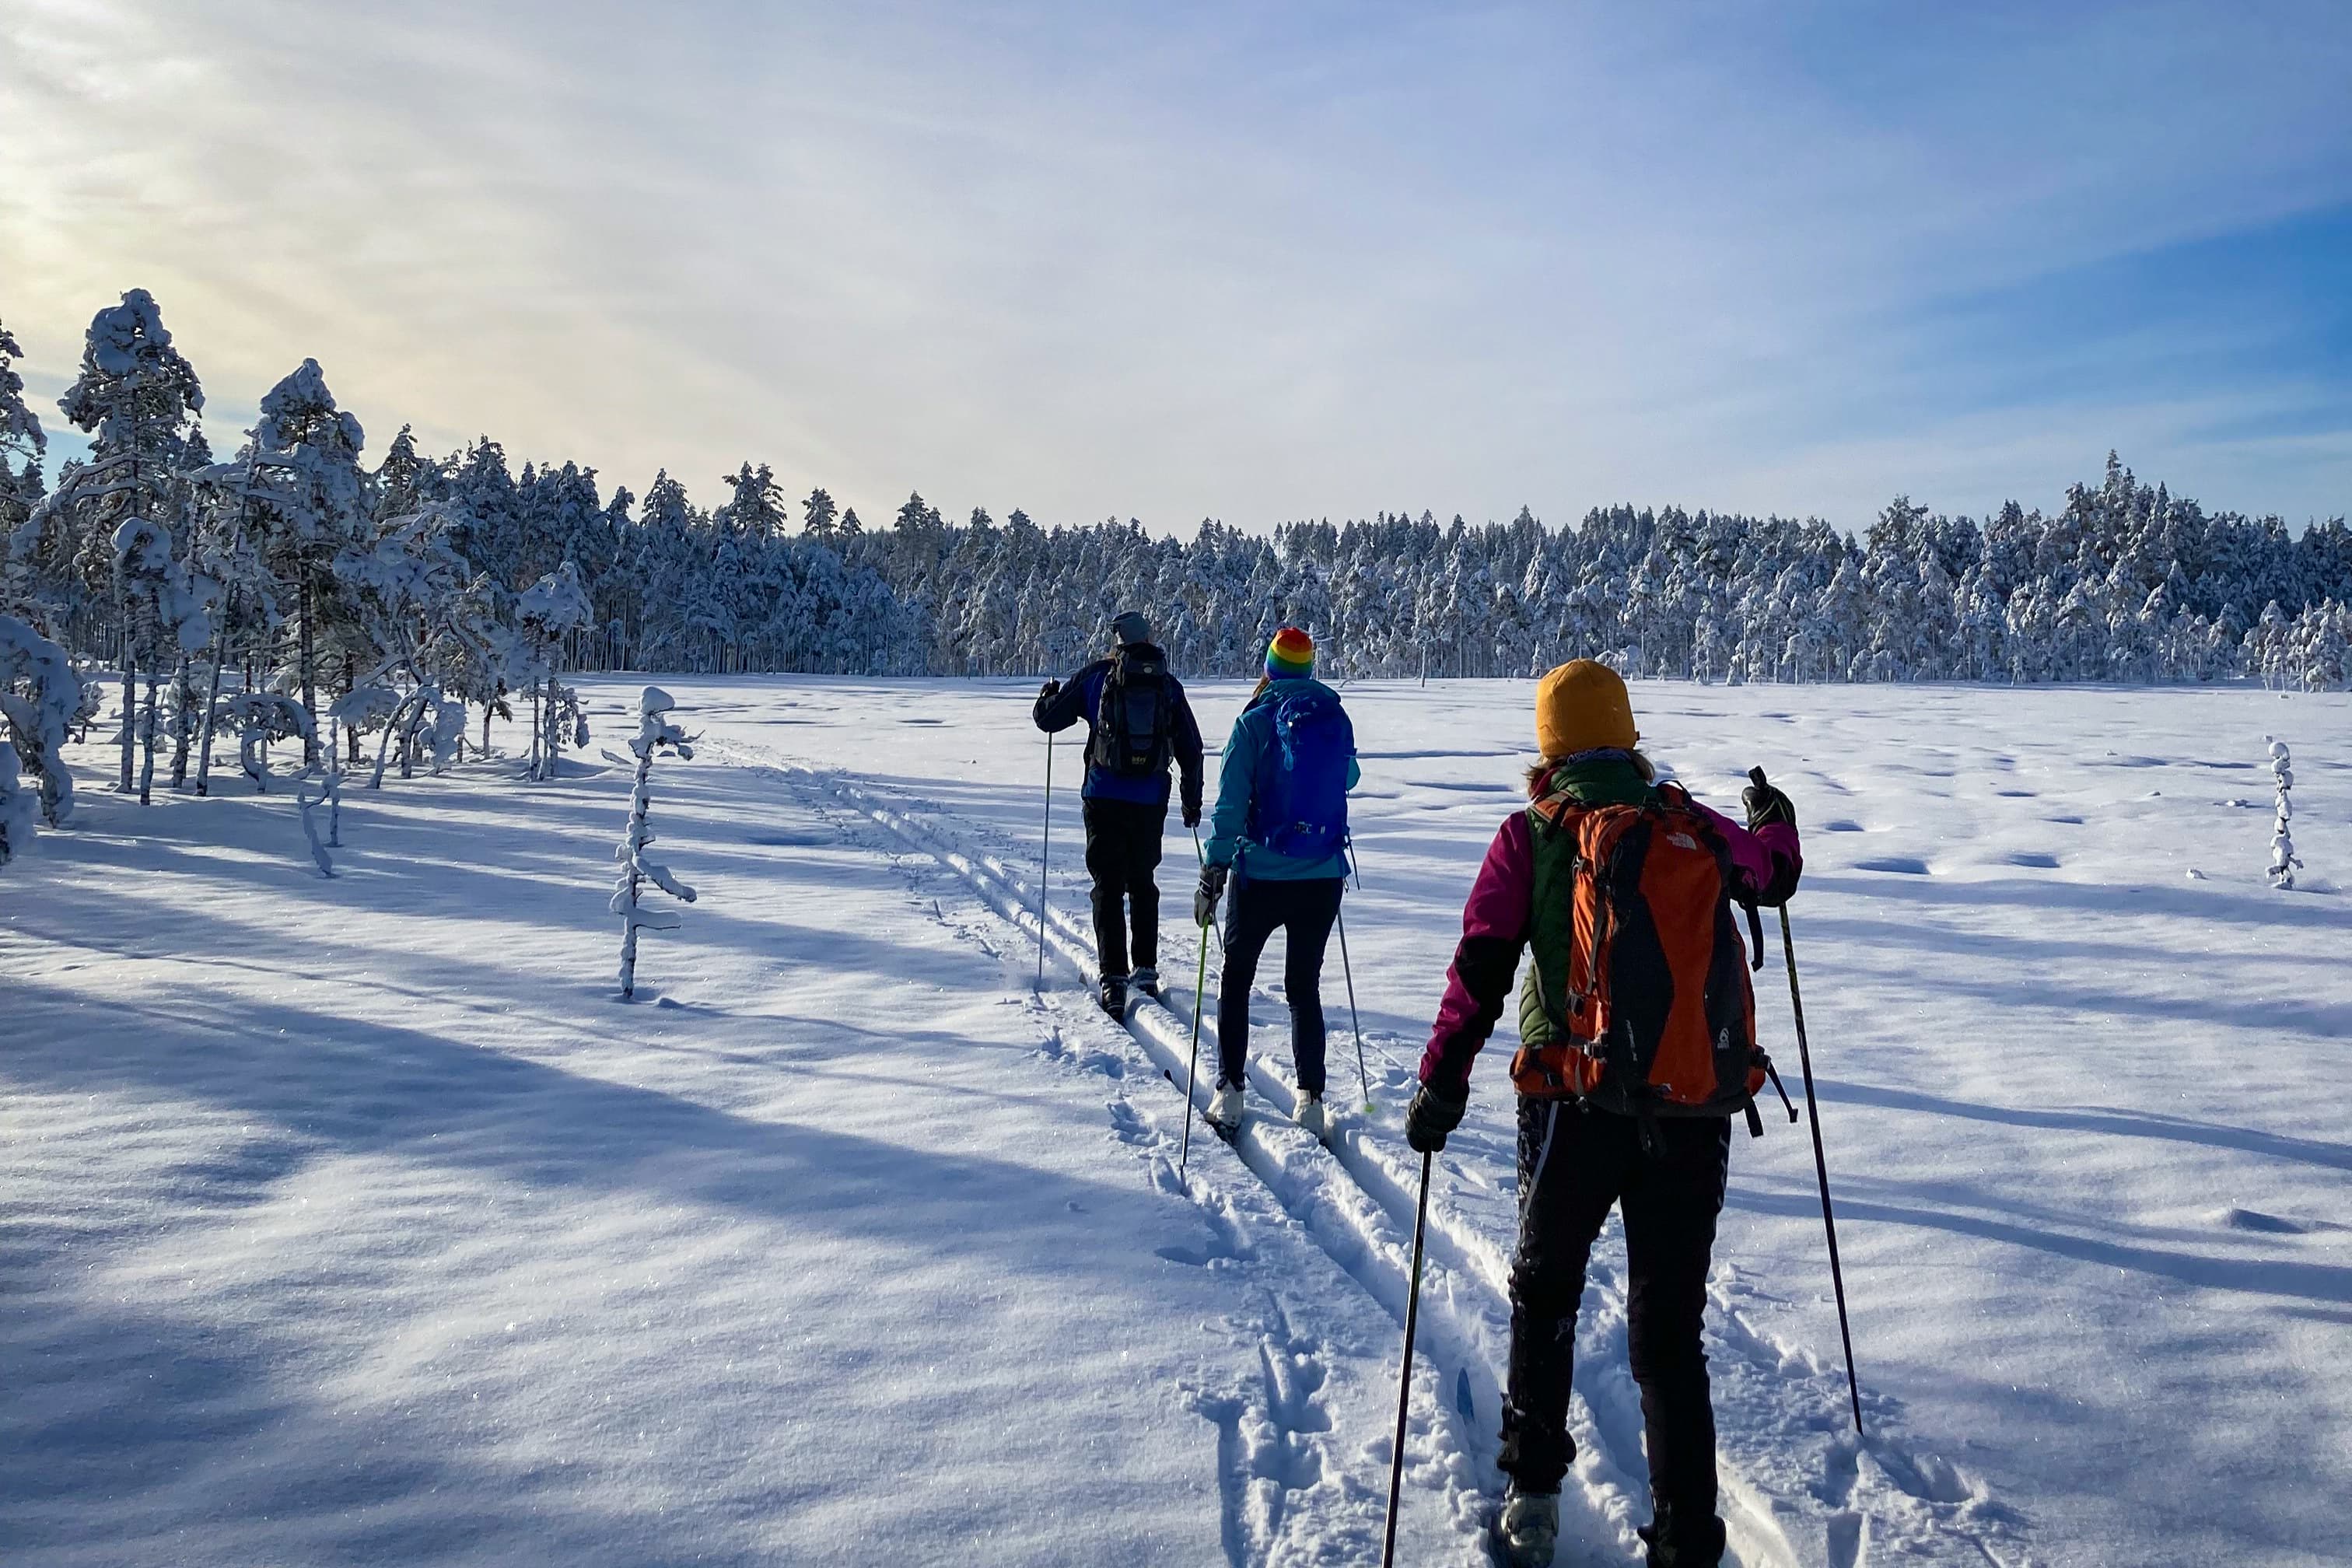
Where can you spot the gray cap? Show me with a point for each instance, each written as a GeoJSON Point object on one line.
{"type": "Point", "coordinates": [1130, 626]}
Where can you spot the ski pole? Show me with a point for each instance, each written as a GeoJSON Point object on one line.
{"type": "Point", "coordinates": [1821, 1161]}
{"type": "Point", "coordinates": [1362, 1077]}
{"type": "Point", "coordinates": [1192, 1073]}
{"type": "Point", "coordinates": [1044, 858]}
{"type": "Point", "coordinates": [1404, 1373]}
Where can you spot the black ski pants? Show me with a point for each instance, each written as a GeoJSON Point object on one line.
{"type": "Point", "coordinates": [1123, 857]}
{"type": "Point", "coordinates": [1574, 1164]}
{"type": "Point", "coordinates": [1305, 913]}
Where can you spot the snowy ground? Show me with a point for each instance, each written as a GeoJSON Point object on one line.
{"type": "Point", "coordinates": [355, 1220]}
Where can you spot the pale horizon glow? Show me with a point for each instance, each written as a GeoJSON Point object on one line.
{"type": "Point", "coordinates": [1249, 263]}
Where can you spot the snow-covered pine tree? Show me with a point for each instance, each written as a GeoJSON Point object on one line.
{"type": "Point", "coordinates": [549, 612]}
{"type": "Point", "coordinates": [134, 397]}
{"type": "Point", "coordinates": [2284, 863]}
{"type": "Point", "coordinates": [657, 734]}
{"type": "Point", "coordinates": [313, 505]}
{"type": "Point", "coordinates": [22, 442]}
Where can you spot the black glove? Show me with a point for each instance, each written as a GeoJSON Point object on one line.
{"type": "Point", "coordinates": [1429, 1117]}
{"type": "Point", "coordinates": [1192, 811]}
{"type": "Point", "coordinates": [1765, 803]}
{"type": "Point", "coordinates": [1210, 892]}
{"type": "Point", "coordinates": [1047, 692]}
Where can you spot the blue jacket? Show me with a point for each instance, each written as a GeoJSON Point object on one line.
{"type": "Point", "coordinates": [1080, 697]}
{"type": "Point", "coordinates": [1236, 789]}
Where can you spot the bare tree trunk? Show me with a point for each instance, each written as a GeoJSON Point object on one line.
{"type": "Point", "coordinates": [147, 728]}
{"type": "Point", "coordinates": [309, 655]}
{"type": "Point", "coordinates": [183, 697]}
{"type": "Point", "coordinates": [212, 700]}
{"type": "Point", "coordinates": [129, 695]}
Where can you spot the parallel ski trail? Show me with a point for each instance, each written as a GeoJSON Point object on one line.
{"type": "Point", "coordinates": [1780, 1515]}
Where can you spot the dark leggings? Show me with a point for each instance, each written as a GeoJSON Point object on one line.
{"type": "Point", "coordinates": [1123, 858]}
{"type": "Point", "coordinates": [1574, 1164]}
{"type": "Point", "coordinates": [1259, 908]}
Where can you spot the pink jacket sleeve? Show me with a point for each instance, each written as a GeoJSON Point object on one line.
{"type": "Point", "coordinates": [1494, 932]}
{"type": "Point", "coordinates": [1766, 862]}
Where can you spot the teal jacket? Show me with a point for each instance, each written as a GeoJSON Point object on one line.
{"type": "Point", "coordinates": [1236, 781]}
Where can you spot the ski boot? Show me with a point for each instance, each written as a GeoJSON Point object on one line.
{"type": "Point", "coordinates": [1312, 1118]}
{"type": "Point", "coordinates": [1114, 996]}
{"type": "Point", "coordinates": [1224, 1113]}
{"type": "Point", "coordinates": [1674, 1544]}
{"type": "Point", "coordinates": [1144, 982]}
{"type": "Point", "coordinates": [1527, 1528]}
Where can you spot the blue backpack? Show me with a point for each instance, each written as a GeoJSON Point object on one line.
{"type": "Point", "coordinates": [1300, 806]}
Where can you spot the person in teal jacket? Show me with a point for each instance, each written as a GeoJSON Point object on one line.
{"type": "Point", "coordinates": [1279, 833]}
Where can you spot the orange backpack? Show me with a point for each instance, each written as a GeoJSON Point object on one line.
{"type": "Point", "coordinates": [1638, 997]}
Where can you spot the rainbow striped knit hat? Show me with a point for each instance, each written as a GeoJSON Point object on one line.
{"type": "Point", "coordinates": [1290, 655]}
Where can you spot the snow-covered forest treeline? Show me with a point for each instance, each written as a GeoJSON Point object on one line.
{"type": "Point", "coordinates": [293, 574]}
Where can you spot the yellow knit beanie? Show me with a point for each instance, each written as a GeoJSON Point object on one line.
{"type": "Point", "coordinates": [1582, 707]}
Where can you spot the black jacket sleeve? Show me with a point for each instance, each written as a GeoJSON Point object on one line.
{"type": "Point", "coordinates": [1066, 707]}
{"type": "Point", "coordinates": [1184, 730]}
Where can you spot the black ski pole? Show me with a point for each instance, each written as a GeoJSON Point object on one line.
{"type": "Point", "coordinates": [1821, 1160]}
{"type": "Point", "coordinates": [1404, 1373]}
{"type": "Point", "coordinates": [1362, 1077]}
{"type": "Point", "coordinates": [1192, 1073]}
{"type": "Point", "coordinates": [1045, 860]}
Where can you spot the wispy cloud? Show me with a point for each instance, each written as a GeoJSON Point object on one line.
{"type": "Point", "coordinates": [1254, 262]}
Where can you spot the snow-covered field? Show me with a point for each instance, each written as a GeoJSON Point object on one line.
{"type": "Point", "coordinates": [358, 1221]}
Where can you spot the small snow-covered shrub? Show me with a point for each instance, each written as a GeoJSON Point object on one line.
{"type": "Point", "coordinates": [562, 721]}
{"type": "Point", "coordinates": [259, 718]}
{"type": "Point", "coordinates": [655, 734]}
{"type": "Point", "coordinates": [41, 699]}
{"type": "Point", "coordinates": [2284, 863]}
{"type": "Point", "coordinates": [549, 612]}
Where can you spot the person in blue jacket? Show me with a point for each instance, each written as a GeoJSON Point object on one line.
{"type": "Point", "coordinates": [1280, 833]}
{"type": "Point", "coordinates": [1137, 721]}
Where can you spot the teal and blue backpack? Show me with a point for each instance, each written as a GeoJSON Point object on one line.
{"type": "Point", "coordinates": [1299, 808]}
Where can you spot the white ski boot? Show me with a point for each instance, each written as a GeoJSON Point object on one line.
{"type": "Point", "coordinates": [1527, 1528]}
{"type": "Point", "coordinates": [1312, 1117]}
{"type": "Point", "coordinates": [1224, 1113]}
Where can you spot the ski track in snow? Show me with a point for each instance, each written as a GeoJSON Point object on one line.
{"type": "Point", "coordinates": [1798, 1487]}
{"type": "Point", "coordinates": [1293, 1487]}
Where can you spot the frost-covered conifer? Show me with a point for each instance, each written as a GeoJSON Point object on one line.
{"type": "Point", "coordinates": [655, 734]}
{"type": "Point", "coordinates": [134, 396]}
{"type": "Point", "coordinates": [312, 505]}
{"type": "Point", "coordinates": [549, 612]}
{"type": "Point", "coordinates": [2283, 864]}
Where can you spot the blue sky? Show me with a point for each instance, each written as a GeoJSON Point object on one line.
{"type": "Point", "coordinates": [1249, 261]}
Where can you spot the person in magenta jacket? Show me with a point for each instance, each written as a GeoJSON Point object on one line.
{"type": "Point", "coordinates": [1577, 1160]}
